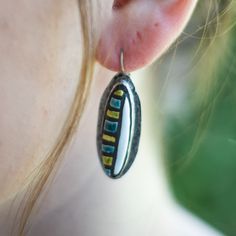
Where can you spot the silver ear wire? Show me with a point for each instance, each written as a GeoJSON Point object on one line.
{"type": "Point", "coordinates": [122, 67]}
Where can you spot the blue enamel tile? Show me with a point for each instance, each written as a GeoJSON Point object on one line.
{"type": "Point", "coordinates": [115, 103]}
{"type": "Point", "coordinates": [108, 149]}
{"type": "Point", "coordinates": [110, 126]}
{"type": "Point", "coordinates": [108, 172]}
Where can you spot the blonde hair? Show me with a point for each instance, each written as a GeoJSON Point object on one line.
{"type": "Point", "coordinates": [216, 35]}
{"type": "Point", "coordinates": [210, 46]}
{"type": "Point", "coordinates": [47, 167]}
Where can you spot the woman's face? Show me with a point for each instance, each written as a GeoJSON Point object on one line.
{"type": "Point", "coordinates": [40, 54]}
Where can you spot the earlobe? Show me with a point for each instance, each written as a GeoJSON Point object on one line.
{"type": "Point", "coordinates": [144, 29]}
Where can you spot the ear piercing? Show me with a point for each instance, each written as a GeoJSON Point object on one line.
{"type": "Point", "coordinates": [119, 124]}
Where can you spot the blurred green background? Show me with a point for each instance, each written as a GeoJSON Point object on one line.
{"type": "Point", "coordinates": [200, 124]}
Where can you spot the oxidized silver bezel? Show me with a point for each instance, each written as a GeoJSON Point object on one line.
{"type": "Point", "coordinates": [135, 128]}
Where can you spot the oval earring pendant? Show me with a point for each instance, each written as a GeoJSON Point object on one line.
{"type": "Point", "coordinates": [119, 126]}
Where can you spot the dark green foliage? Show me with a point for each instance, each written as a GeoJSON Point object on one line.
{"type": "Point", "coordinates": [201, 150]}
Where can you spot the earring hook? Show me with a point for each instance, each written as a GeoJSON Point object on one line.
{"type": "Point", "coordinates": [122, 67]}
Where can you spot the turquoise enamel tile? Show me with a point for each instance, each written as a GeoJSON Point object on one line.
{"type": "Point", "coordinates": [110, 126]}
{"type": "Point", "coordinates": [108, 149]}
{"type": "Point", "coordinates": [108, 172]}
{"type": "Point", "coordinates": [115, 103]}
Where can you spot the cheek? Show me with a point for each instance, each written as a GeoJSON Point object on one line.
{"type": "Point", "coordinates": [143, 31]}
{"type": "Point", "coordinates": [39, 58]}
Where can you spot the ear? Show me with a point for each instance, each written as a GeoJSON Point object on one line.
{"type": "Point", "coordinates": [144, 29]}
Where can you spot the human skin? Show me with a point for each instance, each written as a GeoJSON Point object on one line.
{"type": "Point", "coordinates": [143, 29]}
{"type": "Point", "coordinates": [39, 62]}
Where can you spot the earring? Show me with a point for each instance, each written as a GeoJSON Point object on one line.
{"type": "Point", "coordinates": [119, 124]}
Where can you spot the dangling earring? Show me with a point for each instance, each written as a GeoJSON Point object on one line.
{"type": "Point", "coordinates": [119, 124]}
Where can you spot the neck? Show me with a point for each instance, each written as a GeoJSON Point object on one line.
{"type": "Point", "coordinates": [83, 201]}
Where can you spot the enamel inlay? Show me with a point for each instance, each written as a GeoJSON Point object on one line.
{"type": "Point", "coordinates": [124, 138]}
{"type": "Point", "coordinates": [118, 126]}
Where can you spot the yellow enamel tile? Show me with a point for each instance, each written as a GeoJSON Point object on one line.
{"type": "Point", "coordinates": [113, 114]}
{"type": "Point", "coordinates": [119, 92]}
{"type": "Point", "coordinates": [109, 138]}
{"type": "Point", "coordinates": [107, 160]}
